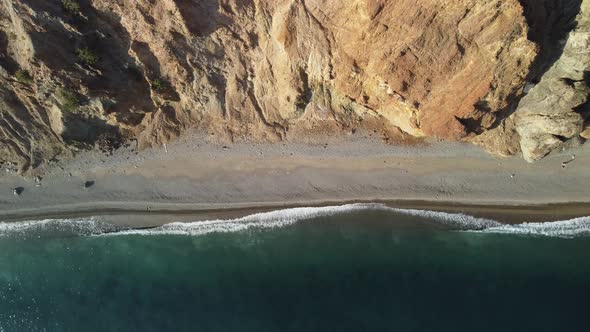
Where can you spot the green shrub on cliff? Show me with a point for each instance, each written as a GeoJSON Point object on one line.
{"type": "Point", "coordinates": [69, 100]}
{"type": "Point", "coordinates": [71, 6]}
{"type": "Point", "coordinates": [87, 56]}
{"type": "Point", "coordinates": [159, 84]}
{"type": "Point", "coordinates": [23, 76]}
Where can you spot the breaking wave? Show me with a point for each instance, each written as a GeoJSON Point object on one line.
{"type": "Point", "coordinates": [281, 218]}
{"type": "Point", "coordinates": [286, 217]}
{"type": "Point", "coordinates": [564, 228]}
{"type": "Point", "coordinates": [56, 228]}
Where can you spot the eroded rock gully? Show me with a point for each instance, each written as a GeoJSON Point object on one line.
{"type": "Point", "coordinates": [89, 76]}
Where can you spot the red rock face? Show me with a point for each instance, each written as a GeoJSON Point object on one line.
{"type": "Point", "coordinates": [452, 63]}
{"type": "Point", "coordinates": [261, 69]}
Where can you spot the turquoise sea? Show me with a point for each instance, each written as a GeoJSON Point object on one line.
{"type": "Point", "coordinates": [362, 267]}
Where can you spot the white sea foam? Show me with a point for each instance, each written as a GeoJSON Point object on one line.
{"type": "Point", "coordinates": [282, 218]}
{"type": "Point", "coordinates": [286, 217]}
{"type": "Point", "coordinates": [456, 221]}
{"type": "Point", "coordinates": [265, 220]}
{"type": "Point", "coordinates": [564, 228]}
{"type": "Point", "coordinates": [55, 227]}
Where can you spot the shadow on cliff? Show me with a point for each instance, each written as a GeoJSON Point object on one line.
{"type": "Point", "coordinates": [153, 71]}
{"type": "Point", "coordinates": [120, 76]}
{"type": "Point", "coordinates": [84, 133]}
{"type": "Point", "coordinates": [199, 16]}
{"type": "Point", "coordinates": [114, 76]}
{"type": "Point", "coordinates": [584, 109]}
{"type": "Point", "coordinates": [5, 61]}
{"type": "Point", "coordinates": [53, 44]}
{"type": "Point", "coordinates": [550, 22]}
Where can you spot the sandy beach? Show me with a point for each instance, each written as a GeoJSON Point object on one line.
{"type": "Point", "coordinates": [191, 178]}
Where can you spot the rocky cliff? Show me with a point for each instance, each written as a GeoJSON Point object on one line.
{"type": "Point", "coordinates": [79, 74]}
{"type": "Point", "coordinates": [555, 110]}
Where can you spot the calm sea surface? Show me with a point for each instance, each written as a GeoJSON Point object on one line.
{"type": "Point", "coordinates": [355, 269]}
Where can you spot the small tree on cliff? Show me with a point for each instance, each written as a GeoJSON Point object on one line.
{"type": "Point", "coordinates": [87, 56]}
{"type": "Point", "coordinates": [71, 6]}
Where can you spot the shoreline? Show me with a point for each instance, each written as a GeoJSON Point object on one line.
{"type": "Point", "coordinates": [133, 215]}
{"type": "Point", "coordinates": [194, 179]}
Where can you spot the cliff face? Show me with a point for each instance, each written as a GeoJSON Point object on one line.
{"type": "Point", "coordinates": [555, 110]}
{"type": "Point", "coordinates": [91, 73]}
